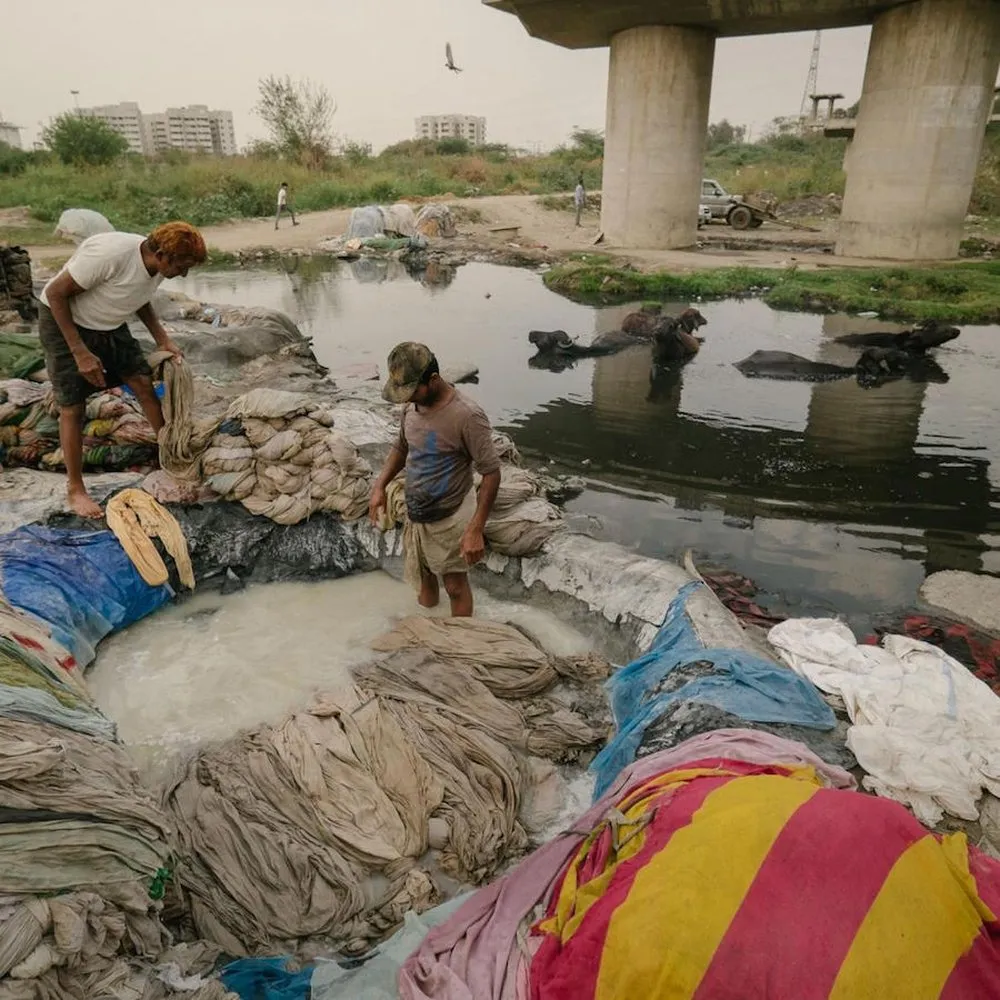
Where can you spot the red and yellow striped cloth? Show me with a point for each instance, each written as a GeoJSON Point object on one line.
{"type": "Point", "coordinates": [733, 881]}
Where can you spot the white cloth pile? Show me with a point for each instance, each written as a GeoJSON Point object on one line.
{"type": "Point", "coordinates": [926, 731]}
{"type": "Point", "coordinates": [279, 454]}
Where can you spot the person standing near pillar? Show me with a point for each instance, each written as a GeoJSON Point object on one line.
{"type": "Point", "coordinates": [579, 198]}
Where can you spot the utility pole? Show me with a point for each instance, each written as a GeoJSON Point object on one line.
{"type": "Point", "coordinates": [76, 99]}
{"type": "Point", "coordinates": [811, 80]}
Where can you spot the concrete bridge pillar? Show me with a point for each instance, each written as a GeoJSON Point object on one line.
{"type": "Point", "coordinates": [927, 95]}
{"type": "Point", "coordinates": [659, 85]}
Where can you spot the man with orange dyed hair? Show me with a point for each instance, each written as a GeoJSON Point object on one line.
{"type": "Point", "coordinates": [83, 327]}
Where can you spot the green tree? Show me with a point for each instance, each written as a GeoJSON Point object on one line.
{"type": "Point", "coordinates": [12, 161]}
{"type": "Point", "coordinates": [454, 146]}
{"type": "Point", "coordinates": [298, 115]}
{"type": "Point", "coordinates": [355, 152]}
{"type": "Point", "coordinates": [724, 133]}
{"type": "Point", "coordinates": [84, 141]}
{"type": "Point", "coordinates": [587, 143]}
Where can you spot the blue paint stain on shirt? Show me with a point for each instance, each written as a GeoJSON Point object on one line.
{"type": "Point", "coordinates": [429, 472]}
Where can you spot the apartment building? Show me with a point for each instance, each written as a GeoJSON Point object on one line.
{"type": "Point", "coordinates": [196, 128]}
{"type": "Point", "coordinates": [466, 127]}
{"type": "Point", "coordinates": [125, 118]}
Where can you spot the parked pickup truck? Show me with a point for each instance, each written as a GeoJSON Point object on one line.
{"type": "Point", "coordinates": [730, 207]}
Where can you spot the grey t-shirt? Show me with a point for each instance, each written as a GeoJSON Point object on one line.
{"type": "Point", "coordinates": [442, 447]}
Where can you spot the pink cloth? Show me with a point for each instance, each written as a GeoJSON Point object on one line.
{"type": "Point", "coordinates": [476, 955]}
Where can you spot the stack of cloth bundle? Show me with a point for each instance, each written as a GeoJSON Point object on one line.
{"type": "Point", "coordinates": [116, 434]}
{"type": "Point", "coordinates": [280, 455]}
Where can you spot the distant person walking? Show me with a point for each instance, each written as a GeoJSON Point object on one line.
{"type": "Point", "coordinates": [283, 205]}
{"type": "Point", "coordinates": [579, 198]}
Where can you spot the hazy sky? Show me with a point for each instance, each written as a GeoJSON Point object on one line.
{"type": "Point", "coordinates": [383, 60]}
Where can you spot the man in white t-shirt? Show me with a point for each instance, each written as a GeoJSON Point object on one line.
{"type": "Point", "coordinates": [83, 327]}
{"type": "Point", "coordinates": [579, 198]}
{"type": "Point", "coordinates": [284, 205]}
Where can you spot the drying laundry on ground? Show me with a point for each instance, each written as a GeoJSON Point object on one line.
{"type": "Point", "coordinates": [136, 519]}
{"type": "Point", "coordinates": [318, 827]}
{"type": "Point", "coordinates": [116, 435]}
{"type": "Point", "coordinates": [618, 907]}
{"type": "Point", "coordinates": [926, 731]}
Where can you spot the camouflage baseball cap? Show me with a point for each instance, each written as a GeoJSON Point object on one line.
{"type": "Point", "coordinates": [407, 363]}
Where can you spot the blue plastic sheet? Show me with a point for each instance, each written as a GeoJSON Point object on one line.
{"type": "Point", "coordinates": [742, 684]}
{"type": "Point", "coordinates": [266, 979]}
{"type": "Point", "coordinates": [81, 583]}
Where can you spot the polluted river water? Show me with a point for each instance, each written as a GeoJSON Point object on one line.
{"type": "Point", "coordinates": [833, 498]}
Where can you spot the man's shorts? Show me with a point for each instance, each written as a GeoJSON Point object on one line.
{"type": "Point", "coordinates": [436, 546]}
{"type": "Point", "coordinates": [119, 351]}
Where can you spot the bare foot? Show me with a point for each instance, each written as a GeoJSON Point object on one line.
{"type": "Point", "coordinates": [80, 503]}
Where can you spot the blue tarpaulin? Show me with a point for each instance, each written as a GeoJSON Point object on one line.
{"type": "Point", "coordinates": [81, 583]}
{"type": "Point", "coordinates": [266, 979]}
{"type": "Point", "coordinates": [745, 685]}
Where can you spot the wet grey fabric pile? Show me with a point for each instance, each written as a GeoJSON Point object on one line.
{"type": "Point", "coordinates": [82, 845]}
{"type": "Point", "coordinates": [333, 823]}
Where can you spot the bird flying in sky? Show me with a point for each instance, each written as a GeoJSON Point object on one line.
{"type": "Point", "coordinates": [449, 61]}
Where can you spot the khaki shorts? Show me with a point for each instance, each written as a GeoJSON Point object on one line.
{"type": "Point", "coordinates": [436, 546]}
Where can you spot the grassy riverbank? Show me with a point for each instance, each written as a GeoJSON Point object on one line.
{"type": "Point", "coordinates": [136, 194]}
{"type": "Point", "coordinates": [960, 293]}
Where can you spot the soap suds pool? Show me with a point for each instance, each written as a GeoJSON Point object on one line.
{"type": "Point", "coordinates": [210, 666]}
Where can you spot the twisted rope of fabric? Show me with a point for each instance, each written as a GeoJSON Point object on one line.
{"type": "Point", "coordinates": [183, 440]}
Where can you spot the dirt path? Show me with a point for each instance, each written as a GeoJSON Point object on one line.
{"type": "Point", "coordinates": [538, 227]}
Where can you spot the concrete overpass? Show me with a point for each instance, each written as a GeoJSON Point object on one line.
{"type": "Point", "coordinates": [927, 95]}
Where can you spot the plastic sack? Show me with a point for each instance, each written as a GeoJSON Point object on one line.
{"type": "Point", "coordinates": [369, 220]}
{"type": "Point", "coordinates": [77, 224]}
{"type": "Point", "coordinates": [680, 668]}
{"type": "Point", "coordinates": [81, 583]}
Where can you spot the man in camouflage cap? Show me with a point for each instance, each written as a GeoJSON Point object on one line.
{"type": "Point", "coordinates": [443, 437]}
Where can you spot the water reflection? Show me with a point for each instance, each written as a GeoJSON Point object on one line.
{"type": "Point", "coordinates": [842, 495]}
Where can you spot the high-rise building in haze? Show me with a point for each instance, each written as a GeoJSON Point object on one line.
{"type": "Point", "coordinates": [466, 127]}
{"type": "Point", "coordinates": [10, 134]}
{"type": "Point", "coordinates": [195, 129]}
{"type": "Point", "coordinates": [124, 118]}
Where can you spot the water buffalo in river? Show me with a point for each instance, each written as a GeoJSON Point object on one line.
{"type": "Point", "coordinates": [875, 365]}
{"type": "Point", "coordinates": [672, 338]}
{"type": "Point", "coordinates": [919, 340]}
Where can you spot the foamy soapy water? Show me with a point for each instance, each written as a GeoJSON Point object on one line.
{"type": "Point", "coordinates": [210, 666]}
